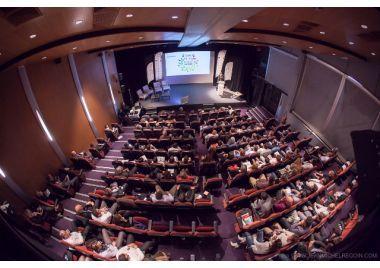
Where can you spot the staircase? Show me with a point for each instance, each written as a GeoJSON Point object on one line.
{"type": "Point", "coordinates": [259, 113]}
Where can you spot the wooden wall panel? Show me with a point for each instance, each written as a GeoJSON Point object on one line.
{"type": "Point", "coordinates": [95, 89]}
{"type": "Point", "coordinates": [26, 154]}
{"type": "Point", "coordinates": [59, 102]}
{"type": "Point", "coordinates": [112, 69]}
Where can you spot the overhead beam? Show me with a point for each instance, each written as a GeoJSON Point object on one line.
{"type": "Point", "coordinates": [207, 23]}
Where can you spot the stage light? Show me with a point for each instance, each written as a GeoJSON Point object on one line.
{"type": "Point", "coordinates": [47, 132]}
{"type": "Point", "coordinates": [244, 20]}
{"type": "Point", "coordinates": [86, 109]}
{"type": "Point", "coordinates": [1, 53]}
{"type": "Point", "coordinates": [284, 42]}
{"type": "Point", "coordinates": [141, 37]}
{"type": "Point", "coordinates": [2, 173]}
{"type": "Point", "coordinates": [310, 47]}
{"type": "Point", "coordinates": [75, 48]}
{"type": "Point", "coordinates": [286, 24]}
{"type": "Point", "coordinates": [333, 54]}
{"type": "Point", "coordinates": [108, 41]}
{"type": "Point", "coordinates": [351, 43]}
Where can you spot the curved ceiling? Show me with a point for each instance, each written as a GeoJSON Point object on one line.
{"type": "Point", "coordinates": [344, 32]}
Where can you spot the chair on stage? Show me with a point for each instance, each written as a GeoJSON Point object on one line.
{"type": "Point", "coordinates": [165, 86]}
{"type": "Point", "coordinates": [142, 95]}
{"type": "Point", "coordinates": [157, 87]}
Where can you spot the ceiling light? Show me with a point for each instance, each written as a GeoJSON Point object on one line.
{"type": "Point", "coordinates": [244, 20]}
{"type": "Point", "coordinates": [285, 24]}
{"type": "Point", "coordinates": [322, 33]}
{"type": "Point", "coordinates": [79, 22]}
{"type": "Point", "coordinates": [256, 38]}
{"type": "Point", "coordinates": [174, 17]}
{"type": "Point", "coordinates": [2, 173]}
{"type": "Point", "coordinates": [141, 37]}
{"type": "Point", "coordinates": [333, 54]}
{"type": "Point", "coordinates": [1, 53]}
{"type": "Point", "coordinates": [310, 47]}
{"type": "Point", "coordinates": [75, 48]}
{"type": "Point", "coordinates": [32, 36]}
{"type": "Point", "coordinates": [108, 41]}
{"type": "Point", "coordinates": [284, 42]}
{"type": "Point", "coordinates": [344, 58]}
{"type": "Point", "coordinates": [372, 53]}
{"type": "Point", "coordinates": [44, 58]}
{"type": "Point", "coordinates": [364, 26]}
{"type": "Point", "coordinates": [351, 43]}
{"type": "Point", "coordinates": [129, 15]}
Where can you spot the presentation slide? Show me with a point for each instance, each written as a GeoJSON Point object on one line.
{"type": "Point", "coordinates": [187, 63]}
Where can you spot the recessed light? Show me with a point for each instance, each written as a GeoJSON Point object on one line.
{"type": "Point", "coordinates": [364, 26]}
{"type": "Point", "coordinates": [44, 58]}
{"type": "Point", "coordinates": [108, 41]}
{"type": "Point", "coordinates": [79, 22]}
{"type": "Point", "coordinates": [256, 38]}
{"type": "Point", "coordinates": [174, 17]}
{"type": "Point", "coordinates": [32, 36]}
{"type": "Point", "coordinates": [129, 15]}
{"type": "Point", "coordinates": [322, 32]}
{"type": "Point", "coordinates": [372, 53]}
{"type": "Point", "coordinates": [1, 53]}
{"type": "Point", "coordinates": [333, 54]}
{"type": "Point", "coordinates": [75, 48]}
{"type": "Point", "coordinates": [344, 58]}
{"type": "Point", "coordinates": [284, 42]}
{"type": "Point", "coordinates": [285, 24]}
{"type": "Point", "coordinates": [244, 20]}
{"type": "Point", "coordinates": [351, 43]}
{"type": "Point", "coordinates": [310, 47]}
{"type": "Point", "coordinates": [141, 37]}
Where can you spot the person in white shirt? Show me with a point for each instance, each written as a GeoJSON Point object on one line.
{"type": "Point", "coordinates": [75, 237]}
{"type": "Point", "coordinates": [161, 195]}
{"type": "Point", "coordinates": [104, 213]}
{"type": "Point", "coordinates": [132, 252]}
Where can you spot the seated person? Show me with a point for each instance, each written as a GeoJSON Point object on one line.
{"type": "Point", "coordinates": [96, 152]}
{"type": "Point", "coordinates": [161, 195]}
{"type": "Point", "coordinates": [262, 205]}
{"type": "Point", "coordinates": [132, 252]}
{"type": "Point", "coordinates": [41, 214]}
{"type": "Point", "coordinates": [86, 210]}
{"type": "Point", "coordinates": [184, 193]}
{"type": "Point", "coordinates": [114, 190]}
{"type": "Point", "coordinates": [121, 218]}
{"type": "Point", "coordinates": [104, 213]}
{"type": "Point", "coordinates": [302, 227]}
{"type": "Point", "coordinates": [174, 148]}
{"type": "Point", "coordinates": [78, 235]}
{"type": "Point", "coordinates": [106, 247]}
{"type": "Point", "coordinates": [67, 183]}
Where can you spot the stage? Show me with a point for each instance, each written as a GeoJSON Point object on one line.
{"type": "Point", "coordinates": [198, 94]}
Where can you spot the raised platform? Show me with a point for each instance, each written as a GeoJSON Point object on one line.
{"type": "Point", "coordinates": [198, 94]}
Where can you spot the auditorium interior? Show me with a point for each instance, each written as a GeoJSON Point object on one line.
{"type": "Point", "coordinates": [189, 133]}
